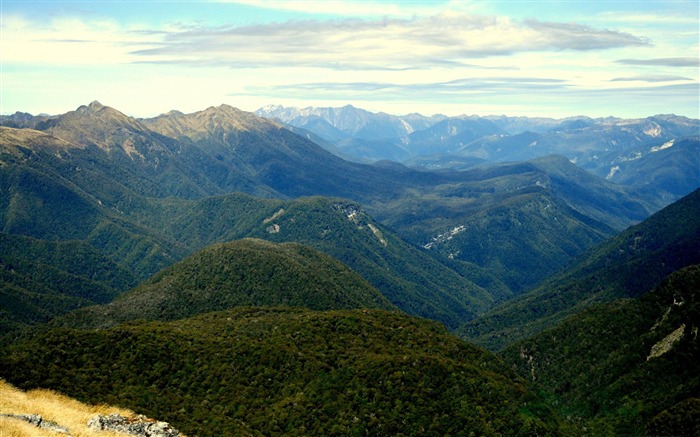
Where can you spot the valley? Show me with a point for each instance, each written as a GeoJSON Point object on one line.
{"type": "Point", "coordinates": [333, 271]}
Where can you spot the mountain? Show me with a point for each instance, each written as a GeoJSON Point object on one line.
{"type": "Point", "coordinates": [627, 265]}
{"type": "Point", "coordinates": [42, 279]}
{"type": "Point", "coordinates": [129, 188]}
{"type": "Point", "coordinates": [286, 370]}
{"type": "Point", "coordinates": [666, 170]}
{"type": "Point", "coordinates": [65, 192]}
{"type": "Point", "coordinates": [352, 122]}
{"type": "Point", "coordinates": [60, 191]}
{"type": "Point", "coordinates": [410, 278]}
{"type": "Point", "coordinates": [449, 135]}
{"type": "Point", "coordinates": [521, 221]}
{"type": "Point", "coordinates": [623, 367]}
{"type": "Point", "coordinates": [585, 141]}
{"type": "Point", "coordinates": [597, 145]}
{"type": "Point", "coordinates": [355, 133]}
{"type": "Point", "coordinates": [246, 272]}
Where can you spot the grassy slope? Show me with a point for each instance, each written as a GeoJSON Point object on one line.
{"type": "Point", "coordinates": [63, 410]}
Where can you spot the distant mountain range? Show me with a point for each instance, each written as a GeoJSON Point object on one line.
{"type": "Point", "coordinates": [609, 147]}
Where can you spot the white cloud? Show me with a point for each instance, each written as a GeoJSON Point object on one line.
{"type": "Point", "coordinates": [69, 41]}
{"type": "Point", "coordinates": [436, 41]}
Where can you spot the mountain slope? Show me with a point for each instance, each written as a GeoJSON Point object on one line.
{"type": "Point", "coordinates": [520, 221]}
{"type": "Point", "coordinates": [613, 367]}
{"type": "Point", "coordinates": [280, 371]}
{"type": "Point", "coordinates": [625, 266]}
{"type": "Point", "coordinates": [51, 199]}
{"type": "Point", "coordinates": [666, 171]}
{"type": "Point", "coordinates": [121, 187]}
{"type": "Point", "coordinates": [408, 277]}
{"type": "Point", "coordinates": [41, 279]}
{"type": "Point", "coordinates": [41, 412]}
{"type": "Point", "coordinates": [241, 273]}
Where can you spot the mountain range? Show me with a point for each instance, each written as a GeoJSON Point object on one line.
{"type": "Point", "coordinates": [290, 283]}
{"type": "Point", "coordinates": [608, 147]}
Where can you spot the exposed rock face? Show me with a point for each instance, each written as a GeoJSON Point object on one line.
{"type": "Point", "coordinates": [136, 425]}
{"type": "Point", "coordinates": [39, 422]}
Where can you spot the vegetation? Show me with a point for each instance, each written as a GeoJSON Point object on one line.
{"type": "Point", "coordinates": [625, 366]}
{"type": "Point", "coordinates": [42, 279]}
{"type": "Point", "coordinates": [286, 371]}
{"type": "Point", "coordinates": [628, 265]}
{"type": "Point", "coordinates": [241, 273]}
{"type": "Point", "coordinates": [51, 406]}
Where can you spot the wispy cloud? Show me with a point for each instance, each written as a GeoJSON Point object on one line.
{"type": "Point", "coordinates": [663, 62]}
{"type": "Point", "coordinates": [385, 44]}
{"type": "Point", "coordinates": [411, 55]}
{"type": "Point", "coordinates": [452, 90]}
{"type": "Point", "coordinates": [574, 36]}
{"type": "Point", "coordinates": [651, 78]}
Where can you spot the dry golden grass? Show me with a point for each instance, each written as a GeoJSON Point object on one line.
{"type": "Point", "coordinates": [65, 411]}
{"type": "Point", "coordinates": [10, 138]}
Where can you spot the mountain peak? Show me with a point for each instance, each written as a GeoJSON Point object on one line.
{"type": "Point", "coordinates": [95, 105]}
{"type": "Point", "coordinates": [92, 108]}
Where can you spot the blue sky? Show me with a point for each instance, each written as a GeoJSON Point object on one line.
{"type": "Point", "coordinates": [537, 58]}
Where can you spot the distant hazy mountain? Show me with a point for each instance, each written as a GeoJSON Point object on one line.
{"type": "Point", "coordinates": [583, 140]}
{"type": "Point", "coordinates": [602, 145]}
{"type": "Point", "coordinates": [668, 170]}
{"type": "Point", "coordinates": [351, 121]}
{"type": "Point", "coordinates": [360, 134]}
{"type": "Point", "coordinates": [627, 265]}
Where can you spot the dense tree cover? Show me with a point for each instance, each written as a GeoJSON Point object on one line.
{"type": "Point", "coordinates": [42, 279]}
{"type": "Point", "coordinates": [286, 371]}
{"type": "Point", "coordinates": [519, 221]}
{"type": "Point", "coordinates": [411, 279]}
{"type": "Point", "coordinates": [119, 214]}
{"type": "Point", "coordinates": [628, 265]}
{"type": "Point", "coordinates": [625, 366]}
{"type": "Point", "coordinates": [247, 272]}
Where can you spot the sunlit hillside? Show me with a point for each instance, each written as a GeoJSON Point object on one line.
{"type": "Point", "coordinates": [65, 412]}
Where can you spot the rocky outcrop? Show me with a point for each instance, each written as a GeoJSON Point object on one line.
{"type": "Point", "coordinates": [136, 425]}
{"type": "Point", "coordinates": [39, 422]}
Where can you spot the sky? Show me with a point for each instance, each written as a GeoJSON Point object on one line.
{"type": "Point", "coordinates": [627, 59]}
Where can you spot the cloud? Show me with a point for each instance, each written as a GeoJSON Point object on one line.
{"type": "Point", "coordinates": [574, 36]}
{"type": "Point", "coordinates": [662, 62]}
{"type": "Point", "coordinates": [650, 78]}
{"type": "Point", "coordinates": [447, 90]}
{"type": "Point", "coordinates": [446, 39]}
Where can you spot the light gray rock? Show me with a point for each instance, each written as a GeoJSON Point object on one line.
{"type": "Point", "coordinates": [39, 422]}
{"type": "Point", "coordinates": [136, 425]}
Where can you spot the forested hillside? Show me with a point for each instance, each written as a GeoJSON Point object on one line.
{"type": "Point", "coordinates": [628, 265]}
{"type": "Point", "coordinates": [625, 367]}
{"type": "Point", "coordinates": [286, 371]}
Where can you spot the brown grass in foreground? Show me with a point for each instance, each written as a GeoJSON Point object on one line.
{"type": "Point", "coordinates": [65, 411]}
